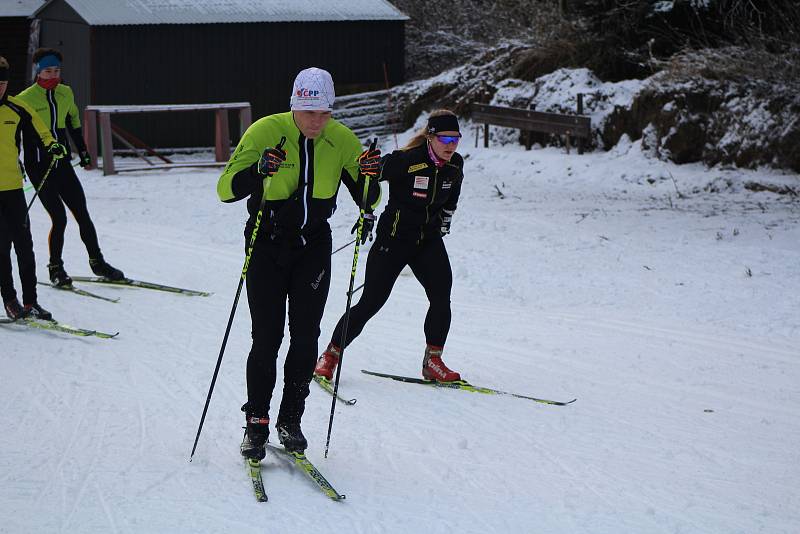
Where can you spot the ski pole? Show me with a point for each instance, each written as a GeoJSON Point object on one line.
{"type": "Point", "coordinates": [242, 278]}
{"type": "Point", "coordinates": [41, 185]}
{"type": "Point", "coordinates": [359, 288]}
{"type": "Point", "coordinates": [343, 247]}
{"type": "Point", "coordinates": [349, 300]}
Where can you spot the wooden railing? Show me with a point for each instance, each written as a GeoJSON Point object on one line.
{"type": "Point", "coordinates": [99, 118]}
{"type": "Point", "coordinates": [527, 120]}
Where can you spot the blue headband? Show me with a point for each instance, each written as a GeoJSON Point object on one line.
{"type": "Point", "coordinates": [47, 61]}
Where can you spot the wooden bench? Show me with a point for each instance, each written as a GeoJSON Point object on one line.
{"type": "Point", "coordinates": [527, 120]}
{"type": "Point", "coordinates": [93, 115]}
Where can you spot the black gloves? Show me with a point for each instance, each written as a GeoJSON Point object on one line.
{"type": "Point", "coordinates": [369, 162]}
{"type": "Point", "coordinates": [56, 150]}
{"type": "Point", "coordinates": [271, 160]}
{"type": "Point", "coordinates": [447, 219]}
{"type": "Point", "coordinates": [86, 159]}
{"type": "Point", "coordinates": [366, 230]}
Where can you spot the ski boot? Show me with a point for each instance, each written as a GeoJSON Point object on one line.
{"type": "Point", "coordinates": [34, 311]}
{"type": "Point", "coordinates": [58, 276]}
{"type": "Point", "coordinates": [14, 310]}
{"type": "Point", "coordinates": [255, 436]}
{"type": "Point", "coordinates": [101, 267]}
{"type": "Point", "coordinates": [327, 362]}
{"type": "Point", "coordinates": [291, 437]}
{"type": "Point", "coordinates": [433, 368]}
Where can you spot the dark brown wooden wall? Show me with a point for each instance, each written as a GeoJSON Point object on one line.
{"type": "Point", "coordinates": [201, 63]}
{"type": "Point", "coordinates": [253, 63]}
{"type": "Point", "coordinates": [14, 33]}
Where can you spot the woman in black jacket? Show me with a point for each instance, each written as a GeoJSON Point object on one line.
{"type": "Point", "coordinates": [424, 185]}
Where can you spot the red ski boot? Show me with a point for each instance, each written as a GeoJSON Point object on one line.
{"type": "Point", "coordinates": [433, 368]}
{"type": "Point", "coordinates": [328, 361]}
{"type": "Point", "coordinates": [14, 310]}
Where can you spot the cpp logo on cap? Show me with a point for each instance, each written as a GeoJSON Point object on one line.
{"type": "Point", "coordinates": [307, 93]}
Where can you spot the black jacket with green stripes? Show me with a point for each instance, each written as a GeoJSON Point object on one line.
{"type": "Point", "coordinates": [418, 192]}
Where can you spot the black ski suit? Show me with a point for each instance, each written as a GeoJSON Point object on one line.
{"type": "Point", "coordinates": [409, 233]}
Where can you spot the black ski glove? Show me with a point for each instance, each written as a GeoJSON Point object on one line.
{"type": "Point", "coordinates": [366, 230]}
{"type": "Point", "coordinates": [271, 160]}
{"type": "Point", "coordinates": [86, 159]}
{"type": "Point", "coordinates": [56, 150]}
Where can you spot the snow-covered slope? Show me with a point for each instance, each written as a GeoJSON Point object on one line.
{"type": "Point", "coordinates": [673, 319]}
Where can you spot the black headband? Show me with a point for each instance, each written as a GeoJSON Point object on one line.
{"type": "Point", "coordinates": [3, 74]}
{"type": "Point", "coordinates": [443, 123]}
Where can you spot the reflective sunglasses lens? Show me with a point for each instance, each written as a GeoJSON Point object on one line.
{"type": "Point", "coordinates": [448, 139]}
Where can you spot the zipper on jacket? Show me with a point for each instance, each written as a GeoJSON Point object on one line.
{"type": "Point", "coordinates": [305, 184]}
{"type": "Point", "coordinates": [51, 99]}
{"type": "Point", "coordinates": [433, 197]}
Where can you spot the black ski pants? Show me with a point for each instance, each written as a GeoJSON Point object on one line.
{"type": "Point", "coordinates": [62, 188]}
{"type": "Point", "coordinates": [387, 258]}
{"type": "Point", "coordinates": [15, 229]}
{"type": "Point", "coordinates": [300, 276]}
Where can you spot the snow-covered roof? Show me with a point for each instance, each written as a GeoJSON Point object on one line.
{"type": "Point", "coordinates": [19, 8]}
{"type": "Point", "coordinates": [120, 12]}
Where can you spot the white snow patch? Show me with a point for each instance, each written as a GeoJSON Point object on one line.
{"type": "Point", "coordinates": [668, 310]}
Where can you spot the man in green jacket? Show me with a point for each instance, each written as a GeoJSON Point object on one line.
{"type": "Point", "coordinates": [294, 162]}
{"type": "Point", "coordinates": [54, 102]}
{"type": "Point", "coordinates": [15, 118]}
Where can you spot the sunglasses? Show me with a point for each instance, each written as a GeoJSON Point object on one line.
{"type": "Point", "coordinates": [449, 139]}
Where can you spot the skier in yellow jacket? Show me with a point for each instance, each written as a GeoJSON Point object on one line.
{"type": "Point", "coordinates": [294, 162]}
{"type": "Point", "coordinates": [54, 102]}
{"type": "Point", "coordinates": [17, 117]}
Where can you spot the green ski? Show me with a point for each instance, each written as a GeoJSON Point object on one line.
{"type": "Point", "coordinates": [141, 284]}
{"type": "Point", "coordinates": [254, 468]}
{"type": "Point", "coordinates": [326, 384]}
{"type": "Point", "coordinates": [466, 386]}
{"type": "Point", "coordinates": [79, 291]}
{"type": "Point", "coordinates": [304, 464]}
{"type": "Point", "coordinates": [58, 327]}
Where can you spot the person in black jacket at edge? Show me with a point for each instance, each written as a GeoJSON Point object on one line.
{"type": "Point", "coordinates": [424, 185]}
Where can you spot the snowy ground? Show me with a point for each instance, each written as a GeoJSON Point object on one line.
{"type": "Point", "coordinates": [672, 317]}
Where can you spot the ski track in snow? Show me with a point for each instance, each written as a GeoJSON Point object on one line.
{"type": "Point", "coordinates": [584, 281]}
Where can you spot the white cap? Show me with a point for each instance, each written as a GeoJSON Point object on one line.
{"type": "Point", "coordinates": [313, 91]}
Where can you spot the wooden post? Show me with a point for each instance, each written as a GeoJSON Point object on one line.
{"type": "Point", "coordinates": [486, 135]}
{"type": "Point", "coordinates": [580, 112]}
{"type": "Point", "coordinates": [222, 139]}
{"type": "Point", "coordinates": [107, 143]}
{"type": "Point", "coordinates": [90, 135]}
{"type": "Point", "coordinates": [477, 135]}
{"type": "Point", "coordinates": [528, 133]}
{"type": "Point", "coordinates": [568, 141]}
